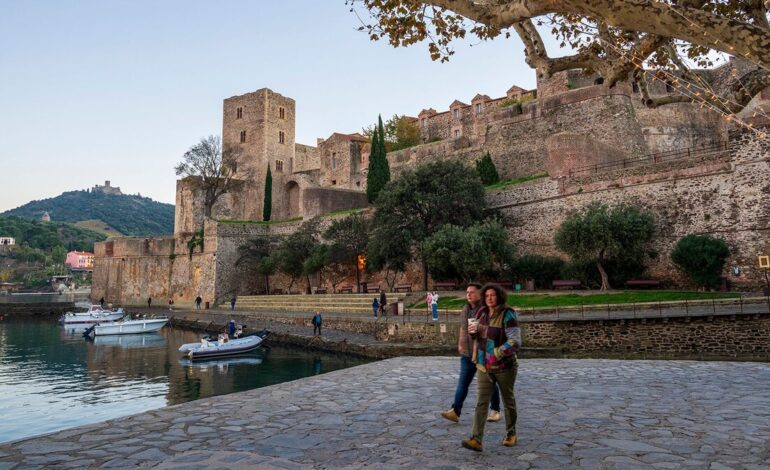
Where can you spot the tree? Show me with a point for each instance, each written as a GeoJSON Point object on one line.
{"type": "Point", "coordinates": [702, 258]}
{"type": "Point", "coordinates": [267, 207]}
{"type": "Point", "coordinates": [348, 238]}
{"type": "Point", "coordinates": [417, 204]}
{"type": "Point", "coordinates": [400, 132]}
{"type": "Point", "coordinates": [612, 38]}
{"type": "Point", "coordinates": [259, 254]}
{"type": "Point", "coordinates": [472, 253]}
{"type": "Point", "coordinates": [379, 170]}
{"type": "Point", "coordinates": [296, 248]}
{"type": "Point", "coordinates": [486, 170]}
{"type": "Point", "coordinates": [599, 232]}
{"type": "Point", "coordinates": [213, 167]}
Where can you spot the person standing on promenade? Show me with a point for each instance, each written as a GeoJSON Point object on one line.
{"type": "Point", "coordinates": [198, 301]}
{"type": "Point", "coordinates": [467, 367]}
{"type": "Point", "coordinates": [232, 302]}
{"type": "Point", "coordinates": [170, 304]}
{"type": "Point", "coordinates": [383, 302]}
{"type": "Point", "coordinates": [317, 320]}
{"type": "Point", "coordinates": [497, 339]}
{"type": "Point", "coordinates": [375, 306]}
{"type": "Point", "coordinates": [434, 305]}
{"type": "Point", "coordinates": [149, 302]}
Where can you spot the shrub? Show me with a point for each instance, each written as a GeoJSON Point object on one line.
{"type": "Point", "coordinates": [487, 170]}
{"type": "Point", "coordinates": [702, 258]}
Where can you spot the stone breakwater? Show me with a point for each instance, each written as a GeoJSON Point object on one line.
{"type": "Point", "coordinates": [572, 414]}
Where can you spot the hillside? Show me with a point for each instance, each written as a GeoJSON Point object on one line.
{"type": "Point", "coordinates": [45, 236]}
{"type": "Point", "coordinates": [129, 215]}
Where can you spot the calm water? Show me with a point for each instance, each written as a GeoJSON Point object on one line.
{"type": "Point", "coordinates": [51, 379]}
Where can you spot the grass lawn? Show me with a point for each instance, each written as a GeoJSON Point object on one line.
{"type": "Point", "coordinates": [565, 300]}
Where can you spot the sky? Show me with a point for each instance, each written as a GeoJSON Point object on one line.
{"type": "Point", "coordinates": [118, 90]}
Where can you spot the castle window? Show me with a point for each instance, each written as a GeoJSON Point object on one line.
{"type": "Point", "coordinates": [334, 160]}
{"type": "Point", "coordinates": [281, 113]}
{"type": "Point", "coordinates": [334, 182]}
{"type": "Point", "coordinates": [457, 133]}
{"type": "Point", "coordinates": [424, 123]}
{"type": "Point", "coordinates": [243, 137]}
{"type": "Point", "coordinates": [239, 113]}
{"type": "Point", "coordinates": [281, 137]}
{"type": "Point", "coordinates": [279, 165]}
{"type": "Point", "coordinates": [457, 113]}
{"type": "Point", "coordinates": [358, 184]}
{"type": "Point", "coordinates": [478, 108]}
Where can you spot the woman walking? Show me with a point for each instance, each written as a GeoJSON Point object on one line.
{"type": "Point", "coordinates": [497, 339]}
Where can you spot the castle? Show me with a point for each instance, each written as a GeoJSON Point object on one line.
{"type": "Point", "coordinates": [576, 138]}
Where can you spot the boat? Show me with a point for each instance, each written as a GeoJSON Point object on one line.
{"type": "Point", "coordinates": [127, 327]}
{"type": "Point", "coordinates": [223, 346]}
{"type": "Point", "coordinates": [94, 314]}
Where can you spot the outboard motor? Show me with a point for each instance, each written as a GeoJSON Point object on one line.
{"type": "Point", "coordinates": [89, 330]}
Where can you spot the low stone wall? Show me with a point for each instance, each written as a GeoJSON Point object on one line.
{"type": "Point", "coordinates": [736, 335]}
{"type": "Point", "coordinates": [36, 309]}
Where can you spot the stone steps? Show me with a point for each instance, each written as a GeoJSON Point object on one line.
{"type": "Point", "coordinates": [341, 303]}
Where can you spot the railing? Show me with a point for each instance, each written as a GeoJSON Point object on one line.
{"type": "Point", "coordinates": [657, 157]}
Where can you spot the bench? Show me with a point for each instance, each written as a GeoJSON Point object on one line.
{"type": "Point", "coordinates": [444, 286]}
{"type": "Point", "coordinates": [278, 291]}
{"type": "Point", "coordinates": [566, 283]}
{"type": "Point", "coordinates": [348, 289]}
{"type": "Point", "coordinates": [373, 289]}
{"type": "Point", "coordinates": [320, 290]}
{"type": "Point", "coordinates": [508, 285]}
{"type": "Point", "coordinates": [403, 287]}
{"type": "Point", "coordinates": [643, 283]}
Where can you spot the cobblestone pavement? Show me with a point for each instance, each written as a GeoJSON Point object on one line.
{"type": "Point", "coordinates": [594, 414]}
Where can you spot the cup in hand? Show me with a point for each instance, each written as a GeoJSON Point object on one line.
{"type": "Point", "coordinates": [473, 325]}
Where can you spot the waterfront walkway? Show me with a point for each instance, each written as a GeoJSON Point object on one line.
{"type": "Point", "coordinates": [594, 414]}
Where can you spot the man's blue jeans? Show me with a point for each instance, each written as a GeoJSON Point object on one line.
{"type": "Point", "coordinates": [467, 372]}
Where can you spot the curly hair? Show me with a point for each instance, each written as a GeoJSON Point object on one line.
{"type": "Point", "coordinates": [502, 296]}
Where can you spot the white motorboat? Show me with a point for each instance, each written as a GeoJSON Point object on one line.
{"type": "Point", "coordinates": [224, 346]}
{"type": "Point", "coordinates": [94, 314]}
{"type": "Point", "coordinates": [127, 327]}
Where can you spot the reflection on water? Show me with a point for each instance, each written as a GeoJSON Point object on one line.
{"type": "Point", "coordinates": [52, 379]}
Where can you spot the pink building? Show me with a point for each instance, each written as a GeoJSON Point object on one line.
{"type": "Point", "coordinates": [80, 260]}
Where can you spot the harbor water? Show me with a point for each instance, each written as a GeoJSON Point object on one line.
{"type": "Point", "coordinates": [53, 379]}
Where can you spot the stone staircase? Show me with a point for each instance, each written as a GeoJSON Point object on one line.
{"type": "Point", "coordinates": [334, 303]}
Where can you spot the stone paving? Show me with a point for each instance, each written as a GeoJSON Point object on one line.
{"type": "Point", "coordinates": [594, 414]}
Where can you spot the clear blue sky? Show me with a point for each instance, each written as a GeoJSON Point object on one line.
{"type": "Point", "coordinates": [117, 90]}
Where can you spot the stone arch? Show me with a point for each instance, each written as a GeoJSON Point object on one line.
{"type": "Point", "coordinates": [292, 200]}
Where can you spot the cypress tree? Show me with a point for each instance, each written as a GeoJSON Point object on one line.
{"type": "Point", "coordinates": [486, 170]}
{"type": "Point", "coordinates": [267, 207]}
{"type": "Point", "coordinates": [379, 170]}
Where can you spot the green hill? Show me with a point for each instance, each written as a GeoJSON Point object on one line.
{"type": "Point", "coordinates": [45, 236]}
{"type": "Point", "coordinates": [129, 215]}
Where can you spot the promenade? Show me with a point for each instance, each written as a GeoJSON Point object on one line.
{"type": "Point", "coordinates": [594, 414]}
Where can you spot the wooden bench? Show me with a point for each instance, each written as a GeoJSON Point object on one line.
{"type": "Point", "coordinates": [444, 286]}
{"type": "Point", "coordinates": [403, 287]}
{"type": "Point", "coordinates": [278, 291]}
{"type": "Point", "coordinates": [373, 289]}
{"type": "Point", "coordinates": [320, 290]}
{"type": "Point", "coordinates": [566, 284]}
{"type": "Point", "coordinates": [348, 289]}
{"type": "Point", "coordinates": [643, 283]}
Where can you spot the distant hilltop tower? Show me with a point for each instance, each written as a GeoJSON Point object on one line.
{"type": "Point", "coordinates": [46, 217]}
{"type": "Point", "coordinates": [107, 189]}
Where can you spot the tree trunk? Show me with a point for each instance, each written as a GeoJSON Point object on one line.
{"type": "Point", "coordinates": [603, 273]}
{"type": "Point", "coordinates": [358, 276]}
{"type": "Point", "coordinates": [424, 275]}
{"type": "Point", "coordinates": [267, 284]}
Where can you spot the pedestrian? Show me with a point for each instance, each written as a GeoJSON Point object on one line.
{"type": "Point", "coordinates": [434, 305]}
{"type": "Point", "coordinates": [383, 302]}
{"type": "Point", "coordinates": [375, 306]}
{"type": "Point", "coordinates": [101, 302]}
{"type": "Point", "coordinates": [232, 302]}
{"type": "Point", "coordinates": [198, 301]}
{"type": "Point", "coordinates": [317, 320]}
{"type": "Point", "coordinates": [170, 303]}
{"type": "Point", "coordinates": [467, 367]}
{"type": "Point", "coordinates": [497, 338]}
{"type": "Point", "coordinates": [149, 302]}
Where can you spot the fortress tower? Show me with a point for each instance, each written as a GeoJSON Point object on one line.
{"type": "Point", "coordinates": [259, 127]}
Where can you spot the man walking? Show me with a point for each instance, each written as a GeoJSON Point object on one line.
{"type": "Point", "coordinates": [467, 367]}
{"type": "Point", "coordinates": [149, 302]}
{"type": "Point", "coordinates": [198, 301]}
{"type": "Point", "coordinates": [383, 302]}
{"type": "Point", "coordinates": [317, 320]}
{"type": "Point", "coordinates": [232, 302]}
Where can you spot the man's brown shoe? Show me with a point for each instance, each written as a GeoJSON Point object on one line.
{"type": "Point", "coordinates": [450, 415]}
{"type": "Point", "coordinates": [473, 444]}
{"type": "Point", "coordinates": [510, 440]}
{"type": "Point", "coordinates": [494, 416]}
